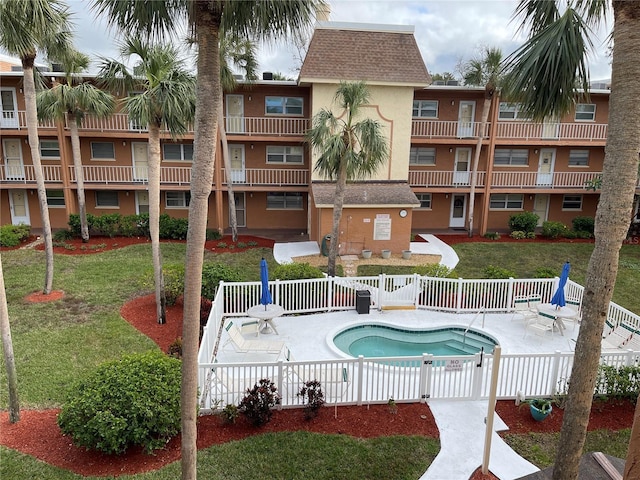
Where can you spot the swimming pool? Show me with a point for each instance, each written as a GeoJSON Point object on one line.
{"type": "Point", "coordinates": [372, 340]}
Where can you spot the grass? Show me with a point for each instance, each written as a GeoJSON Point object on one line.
{"type": "Point", "coordinates": [55, 343]}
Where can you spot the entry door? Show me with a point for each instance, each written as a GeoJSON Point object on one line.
{"type": "Point", "coordinates": [458, 211]}
{"type": "Point", "coordinates": [466, 116]}
{"type": "Point", "coordinates": [19, 207]}
{"type": "Point", "coordinates": [545, 166]}
{"type": "Point", "coordinates": [541, 207]}
{"type": "Point", "coordinates": [241, 209]}
{"type": "Point", "coordinates": [140, 161]}
{"type": "Point", "coordinates": [461, 167]}
{"type": "Point", "coordinates": [142, 202]}
{"type": "Point", "coordinates": [9, 117]}
{"type": "Point", "coordinates": [13, 159]}
{"type": "Point", "coordinates": [236, 155]}
{"type": "Point", "coordinates": [235, 114]}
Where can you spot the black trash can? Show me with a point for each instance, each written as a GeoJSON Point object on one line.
{"type": "Point", "coordinates": [363, 301]}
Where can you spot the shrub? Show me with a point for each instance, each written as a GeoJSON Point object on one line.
{"type": "Point", "coordinates": [229, 413]}
{"type": "Point", "coordinates": [296, 271]}
{"type": "Point", "coordinates": [258, 402]}
{"type": "Point", "coordinates": [553, 229]}
{"type": "Point", "coordinates": [570, 234]}
{"type": "Point", "coordinates": [127, 402]}
{"type": "Point", "coordinates": [531, 235]}
{"type": "Point", "coordinates": [492, 235]}
{"type": "Point", "coordinates": [583, 234]}
{"type": "Point", "coordinates": [173, 282]}
{"type": "Point", "coordinates": [135, 225]}
{"type": "Point", "coordinates": [108, 224]}
{"type": "Point", "coordinates": [518, 234]}
{"type": "Point", "coordinates": [497, 272]}
{"type": "Point", "coordinates": [583, 224]}
{"type": "Point", "coordinates": [213, 234]}
{"type": "Point", "coordinates": [252, 243]}
{"type": "Point", "coordinates": [222, 245]}
{"type": "Point", "coordinates": [74, 224]}
{"type": "Point", "coordinates": [213, 273]}
{"type": "Point", "coordinates": [433, 270]}
{"type": "Point", "coordinates": [545, 272]}
{"type": "Point", "coordinates": [173, 228]}
{"type": "Point", "coordinates": [62, 235]}
{"type": "Point", "coordinates": [12, 235]}
{"type": "Point", "coordinates": [312, 398]}
{"type": "Point", "coordinates": [205, 310]}
{"type": "Point", "coordinates": [175, 349]}
{"type": "Point", "coordinates": [618, 382]}
{"type": "Point", "coordinates": [525, 221]}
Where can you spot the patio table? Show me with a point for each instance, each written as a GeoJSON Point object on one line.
{"type": "Point", "coordinates": [558, 312]}
{"type": "Point", "coordinates": [266, 314]}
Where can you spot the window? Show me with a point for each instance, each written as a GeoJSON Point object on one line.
{"type": "Point", "coordinates": [55, 198]}
{"type": "Point", "coordinates": [103, 151]}
{"type": "Point", "coordinates": [278, 154]}
{"type": "Point", "coordinates": [511, 111]}
{"type": "Point", "coordinates": [506, 201]}
{"type": "Point", "coordinates": [422, 156]}
{"type": "Point", "coordinates": [506, 156]}
{"type": "Point", "coordinates": [578, 158]}
{"type": "Point", "coordinates": [585, 111]}
{"type": "Point", "coordinates": [284, 200]}
{"type": "Point", "coordinates": [107, 199]}
{"type": "Point", "coordinates": [283, 105]}
{"type": "Point", "coordinates": [425, 200]}
{"type": "Point", "coordinates": [49, 149]}
{"type": "Point", "coordinates": [177, 199]}
{"type": "Point", "coordinates": [572, 202]}
{"type": "Point", "coordinates": [425, 109]}
{"type": "Point", "coordinates": [177, 152]}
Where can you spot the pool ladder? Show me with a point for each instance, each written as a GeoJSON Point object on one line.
{"type": "Point", "coordinates": [481, 311]}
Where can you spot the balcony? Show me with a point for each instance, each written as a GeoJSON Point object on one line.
{"type": "Point", "coordinates": [25, 174]}
{"type": "Point", "coordinates": [129, 175]}
{"type": "Point", "coordinates": [276, 126]}
{"type": "Point", "coordinates": [554, 180]}
{"type": "Point", "coordinates": [449, 178]}
{"type": "Point", "coordinates": [17, 120]}
{"type": "Point", "coordinates": [446, 129]}
{"type": "Point", "coordinates": [590, 132]}
{"type": "Point", "coordinates": [277, 177]}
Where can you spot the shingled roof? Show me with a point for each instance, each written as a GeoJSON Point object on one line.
{"type": "Point", "coordinates": [372, 53]}
{"type": "Point", "coordinates": [366, 193]}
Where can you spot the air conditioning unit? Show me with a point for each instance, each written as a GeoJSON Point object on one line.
{"type": "Point", "coordinates": [16, 68]}
{"type": "Point", "coordinates": [453, 83]}
{"type": "Point", "coordinates": [267, 76]}
{"type": "Point", "coordinates": [439, 82]}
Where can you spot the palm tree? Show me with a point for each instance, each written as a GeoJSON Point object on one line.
{"type": "Point", "coordinates": [160, 94]}
{"type": "Point", "coordinates": [349, 148]}
{"type": "Point", "coordinates": [71, 101]}
{"type": "Point", "coordinates": [36, 25]}
{"type": "Point", "coordinates": [261, 19]}
{"type": "Point", "coordinates": [485, 71]}
{"type": "Point", "coordinates": [545, 74]}
{"type": "Point", "coordinates": [7, 348]}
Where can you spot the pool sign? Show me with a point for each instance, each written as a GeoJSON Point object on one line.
{"type": "Point", "coordinates": [453, 365]}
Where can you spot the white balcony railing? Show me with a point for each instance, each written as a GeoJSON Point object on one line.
{"type": "Point", "coordinates": [558, 180]}
{"type": "Point", "coordinates": [268, 176]}
{"type": "Point", "coordinates": [446, 129]}
{"type": "Point", "coordinates": [131, 175]}
{"type": "Point", "coordinates": [279, 126]}
{"type": "Point", "coordinates": [25, 174]}
{"type": "Point", "coordinates": [18, 120]}
{"type": "Point", "coordinates": [552, 131]}
{"type": "Point", "coordinates": [428, 178]}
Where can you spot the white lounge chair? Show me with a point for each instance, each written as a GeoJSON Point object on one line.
{"type": "Point", "coordinates": [616, 338]}
{"type": "Point", "coordinates": [243, 345]}
{"type": "Point", "coordinates": [521, 307]}
{"type": "Point", "coordinates": [228, 386]}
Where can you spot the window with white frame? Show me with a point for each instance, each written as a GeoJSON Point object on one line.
{"type": "Point", "coordinates": [177, 152]}
{"type": "Point", "coordinates": [578, 158]}
{"type": "Point", "coordinates": [511, 111]}
{"type": "Point", "coordinates": [511, 156]}
{"type": "Point", "coordinates": [284, 154]}
{"type": "Point", "coordinates": [425, 200]}
{"type": "Point", "coordinates": [425, 109]}
{"type": "Point", "coordinates": [283, 105]}
{"type": "Point", "coordinates": [55, 198]}
{"type": "Point", "coordinates": [49, 150]}
{"type": "Point", "coordinates": [284, 200]}
{"type": "Point", "coordinates": [585, 111]}
{"type": "Point", "coordinates": [177, 199]}
{"type": "Point", "coordinates": [506, 201]}
{"type": "Point", "coordinates": [422, 156]}
{"type": "Point", "coordinates": [103, 151]}
{"type": "Point", "coordinates": [107, 199]}
{"type": "Point", "coordinates": [572, 202]}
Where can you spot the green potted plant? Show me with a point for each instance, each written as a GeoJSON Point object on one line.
{"type": "Point", "coordinates": [540, 408]}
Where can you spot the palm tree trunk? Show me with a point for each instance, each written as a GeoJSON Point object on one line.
{"type": "Point", "coordinates": [476, 158]}
{"type": "Point", "coordinates": [338, 202]}
{"type": "Point", "coordinates": [208, 102]}
{"type": "Point", "coordinates": [77, 165]}
{"type": "Point", "coordinates": [154, 220]}
{"type": "Point", "coordinates": [233, 221]}
{"type": "Point", "coordinates": [9, 359]}
{"type": "Point", "coordinates": [612, 222]}
{"type": "Point", "coordinates": [34, 144]}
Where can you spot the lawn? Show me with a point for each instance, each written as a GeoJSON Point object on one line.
{"type": "Point", "coordinates": [59, 342]}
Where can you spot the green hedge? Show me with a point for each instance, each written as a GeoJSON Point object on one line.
{"type": "Point", "coordinates": [114, 224]}
{"type": "Point", "coordinates": [13, 235]}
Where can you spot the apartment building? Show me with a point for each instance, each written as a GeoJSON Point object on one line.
{"type": "Point", "coordinates": [424, 186]}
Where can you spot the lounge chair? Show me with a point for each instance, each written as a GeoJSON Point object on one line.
{"type": "Point", "coordinates": [243, 345]}
{"type": "Point", "coordinates": [521, 307]}
{"type": "Point", "coordinates": [229, 386]}
{"type": "Point", "coordinates": [616, 338]}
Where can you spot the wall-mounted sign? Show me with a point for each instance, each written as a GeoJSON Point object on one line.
{"type": "Point", "coordinates": [382, 228]}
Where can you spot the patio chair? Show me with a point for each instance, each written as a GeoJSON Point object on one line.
{"type": "Point", "coordinates": [542, 324]}
{"type": "Point", "coordinates": [534, 301]}
{"type": "Point", "coordinates": [243, 345]}
{"type": "Point", "coordinates": [521, 307]}
{"type": "Point", "coordinates": [577, 307]}
{"type": "Point", "coordinates": [334, 378]}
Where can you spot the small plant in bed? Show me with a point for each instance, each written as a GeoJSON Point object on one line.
{"type": "Point", "coordinates": [540, 408]}
{"type": "Point", "coordinates": [258, 402]}
{"type": "Point", "coordinates": [312, 397]}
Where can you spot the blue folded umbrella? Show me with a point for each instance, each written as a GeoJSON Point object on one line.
{"type": "Point", "coordinates": [558, 297]}
{"type": "Point", "coordinates": [265, 298]}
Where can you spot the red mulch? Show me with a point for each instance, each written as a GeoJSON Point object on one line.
{"type": "Point", "coordinates": [39, 297]}
{"type": "Point", "coordinates": [37, 433]}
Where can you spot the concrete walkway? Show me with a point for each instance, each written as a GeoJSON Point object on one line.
{"type": "Point", "coordinates": [462, 431]}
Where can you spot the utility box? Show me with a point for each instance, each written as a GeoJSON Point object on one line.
{"type": "Point", "coordinates": [363, 301]}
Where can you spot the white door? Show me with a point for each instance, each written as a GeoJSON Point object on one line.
{"type": "Point", "coordinates": [541, 207]}
{"type": "Point", "coordinates": [19, 206]}
{"type": "Point", "coordinates": [9, 118]}
{"type": "Point", "coordinates": [466, 116]}
{"type": "Point", "coordinates": [550, 128]}
{"type": "Point", "coordinates": [140, 161]}
{"type": "Point", "coordinates": [236, 156]}
{"type": "Point", "coordinates": [235, 114]}
{"type": "Point", "coordinates": [142, 202]}
{"type": "Point", "coordinates": [458, 210]}
{"type": "Point", "coordinates": [545, 167]}
{"type": "Point", "coordinates": [241, 209]}
{"type": "Point", "coordinates": [461, 167]}
{"type": "Point", "coordinates": [13, 159]}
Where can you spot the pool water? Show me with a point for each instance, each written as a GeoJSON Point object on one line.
{"type": "Point", "coordinates": [387, 341]}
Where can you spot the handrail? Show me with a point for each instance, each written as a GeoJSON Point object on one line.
{"type": "Point", "coordinates": [481, 311]}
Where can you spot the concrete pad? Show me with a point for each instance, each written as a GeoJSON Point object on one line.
{"type": "Point", "coordinates": [283, 252]}
{"type": "Point", "coordinates": [435, 246]}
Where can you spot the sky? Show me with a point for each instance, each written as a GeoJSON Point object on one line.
{"type": "Point", "coordinates": [447, 32]}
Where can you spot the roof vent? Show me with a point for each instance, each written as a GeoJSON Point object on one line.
{"type": "Point", "coordinates": [267, 76]}
{"type": "Point", "coordinates": [57, 67]}
{"type": "Point", "coordinates": [238, 77]}
{"type": "Point", "coordinates": [438, 82]}
{"type": "Point", "coordinates": [453, 83]}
